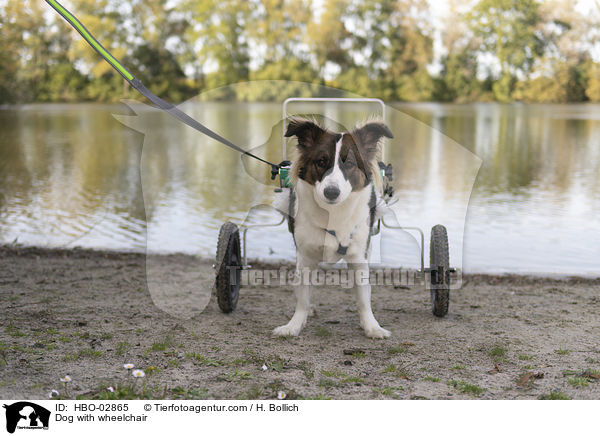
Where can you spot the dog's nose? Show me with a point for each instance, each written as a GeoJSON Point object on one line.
{"type": "Point", "coordinates": [331, 192]}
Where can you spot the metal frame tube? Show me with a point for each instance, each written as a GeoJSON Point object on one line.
{"type": "Point", "coordinates": [414, 229]}
{"type": "Point", "coordinates": [245, 229]}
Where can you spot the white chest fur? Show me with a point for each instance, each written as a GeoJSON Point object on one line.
{"type": "Point", "coordinates": [349, 221]}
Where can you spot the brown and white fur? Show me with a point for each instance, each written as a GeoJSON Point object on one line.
{"type": "Point", "coordinates": [332, 209]}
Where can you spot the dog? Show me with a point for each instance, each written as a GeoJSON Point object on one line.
{"type": "Point", "coordinates": [332, 209]}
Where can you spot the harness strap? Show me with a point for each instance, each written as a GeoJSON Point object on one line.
{"type": "Point", "coordinates": [342, 249]}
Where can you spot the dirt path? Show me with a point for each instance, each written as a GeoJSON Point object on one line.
{"type": "Point", "coordinates": [86, 313]}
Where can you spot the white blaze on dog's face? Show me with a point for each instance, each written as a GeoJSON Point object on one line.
{"type": "Point", "coordinates": [336, 163]}
{"type": "Point", "coordinates": [334, 187]}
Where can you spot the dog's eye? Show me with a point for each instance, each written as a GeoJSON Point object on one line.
{"type": "Point", "coordinates": [322, 163]}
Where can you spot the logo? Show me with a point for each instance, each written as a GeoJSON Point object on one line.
{"type": "Point", "coordinates": [26, 415]}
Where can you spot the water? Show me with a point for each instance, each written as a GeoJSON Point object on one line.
{"type": "Point", "coordinates": [517, 186]}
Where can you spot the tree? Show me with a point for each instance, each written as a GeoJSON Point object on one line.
{"type": "Point", "coordinates": [278, 29]}
{"type": "Point", "coordinates": [390, 41]}
{"type": "Point", "coordinates": [329, 39]}
{"type": "Point", "coordinates": [8, 61]}
{"type": "Point", "coordinates": [510, 31]}
{"type": "Point", "coordinates": [220, 38]}
{"type": "Point", "coordinates": [458, 77]}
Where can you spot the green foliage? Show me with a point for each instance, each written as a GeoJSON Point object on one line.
{"type": "Point", "coordinates": [374, 48]}
{"type": "Point", "coordinates": [509, 30]}
{"type": "Point", "coordinates": [63, 83]}
{"type": "Point", "coordinates": [565, 85]}
{"type": "Point", "coordinates": [554, 395]}
{"type": "Point", "coordinates": [466, 388]}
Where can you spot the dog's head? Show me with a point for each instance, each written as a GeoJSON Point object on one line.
{"type": "Point", "coordinates": [336, 163]}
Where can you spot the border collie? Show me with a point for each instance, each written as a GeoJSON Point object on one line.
{"type": "Point", "coordinates": [332, 209]}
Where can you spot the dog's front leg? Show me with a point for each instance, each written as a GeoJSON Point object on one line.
{"type": "Point", "coordinates": [303, 291]}
{"type": "Point", "coordinates": [362, 289]}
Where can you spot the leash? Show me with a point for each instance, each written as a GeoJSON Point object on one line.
{"type": "Point", "coordinates": [139, 86]}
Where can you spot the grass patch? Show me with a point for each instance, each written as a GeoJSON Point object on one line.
{"type": "Point", "coordinates": [315, 397]}
{"type": "Point", "coordinates": [89, 353]}
{"type": "Point", "coordinates": [65, 339]}
{"type": "Point", "coordinates": [151, 369]}
{"type": "Point", "coordinates": [398, 371]}
{"type": "Point", "coordinates": [202, 360]}
{"type": "Point", "coordinates": [122, 347]}
{"type": "Point", "coordinates": [328, 383]}
{"type": "Point", "coordinates": [391, 391]}
{"type": "Point", "coordinates": [562, 351]}
{"type": "Point", "coordinates": [14, 332]}
{"type": "Point", "coordinates": [554, 395]}
{"type": "Point", "coordinates": [497, 351]}
{"type": "Point", "coordinates": [353, 379]}
{"type": "Point", "coordinates": [341, 377]}
{"type": "Point", "coordinates": [179, 393]}
{"type": "Point", "coordinates": [431, 379]}
{"type": "Point", "coordinates": [3, 350]}
{"type": "Point", "coordinates": [235, 376]}
{"type": "Point", "coordinates": [359, 354]}
{"type": "Point", "coordinates": [8, 382]}
{"type": "Point", "coordinates": [525, 357]}
{"type": "Point", "coordinates": [458, 367]}
{"type": "Point", "coordinates": [335, 373]}
{"type": "Point", "coordinates": [124, 392]}
{"type": "Point", "coordinates": [465, 388]}
{"type": "Point", "coordinates": [322, 332]}
{"type": "Point", "coordinates": [578, 382]}
{"type": "Point", "coordinates": [272, 362]}
{"type": "Point", "coordinates": [161, 345]}
{"type": "Point", "coordinates": [398, 349]}
{"type": "Point", "coordinates": [306, 368]}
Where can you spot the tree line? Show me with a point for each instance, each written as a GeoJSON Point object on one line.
{"type": "Point", "coordinates": [489, 50]}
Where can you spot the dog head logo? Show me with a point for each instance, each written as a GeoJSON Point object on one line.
{"type": "Point", "coordinates": [26, 415]}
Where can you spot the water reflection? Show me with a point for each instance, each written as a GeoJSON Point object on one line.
{"type": "Point", "coordinates": [73, 175]}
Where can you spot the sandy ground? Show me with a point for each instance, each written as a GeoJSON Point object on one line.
{"type": "Point", "coordinates": [86, 313]}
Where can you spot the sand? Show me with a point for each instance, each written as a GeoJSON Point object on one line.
{"type": "Point", "coordinates": [86, 313]}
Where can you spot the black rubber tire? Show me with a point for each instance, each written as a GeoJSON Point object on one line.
{"type": "Point", "coordinates": [439, 261]}
{"type": "Point", "coordinates": [228, 256]}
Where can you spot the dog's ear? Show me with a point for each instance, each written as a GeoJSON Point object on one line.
{"type": "Point", "coordinates": [372, 132]}
{"type": "Point", "coordinates": [368, 135]}
{"type": "Point", "coordinates": [306, 131]}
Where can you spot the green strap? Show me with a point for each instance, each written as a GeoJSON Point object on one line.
{"type": "Point", "coordinates": [90, 39]}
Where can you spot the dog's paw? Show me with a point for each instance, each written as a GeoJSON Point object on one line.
{"type": "Point", "coordinates": [287, 330]}
{"type": "Point", "coordinates": [377, 332]}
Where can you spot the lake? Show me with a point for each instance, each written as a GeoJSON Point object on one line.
{"type": "Point", "coordinates": [517, 186]}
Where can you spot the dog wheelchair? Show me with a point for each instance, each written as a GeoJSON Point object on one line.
{"type": "Point", "coordinates": [231, 256]}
